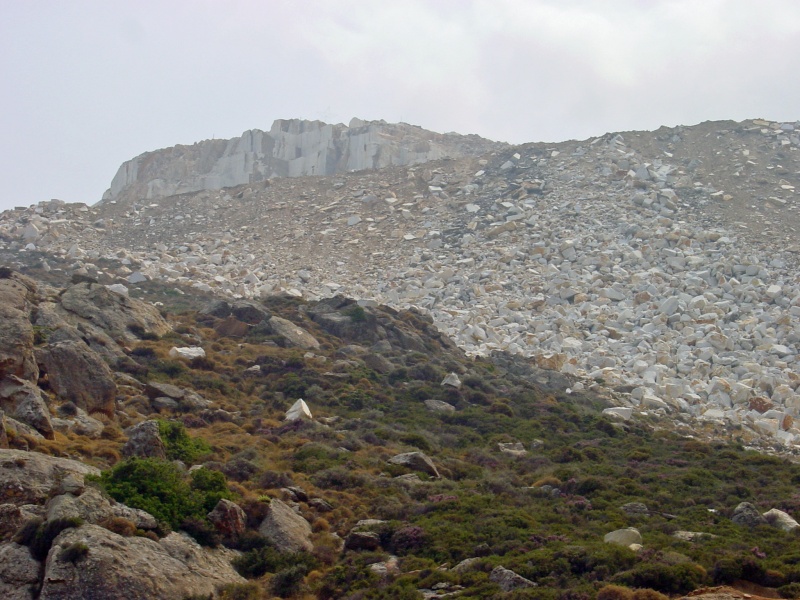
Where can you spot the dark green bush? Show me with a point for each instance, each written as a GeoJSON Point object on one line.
{"type": "Point", "coordinates": [240, 591]}
{"type": "Point", "coordinates": [791, 590]}
{"type": "Point", "coordinates": [178, 444]}
{"type": "Point", "coordinates": [202, 531]}
{"type": "Point", "coordinates": [267, 559]}
{"type": "Point", "coordinates": [213, 486]}
{"type": "Point", "coordinates": [156, 486]}
{"type": "Point", "coordinates": [669, 579]}
{"type": "Point", "coordinates": [286, 582]}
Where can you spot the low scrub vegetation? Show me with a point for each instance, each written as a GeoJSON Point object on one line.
{"type": "Point", "coordinates": [542, 513]}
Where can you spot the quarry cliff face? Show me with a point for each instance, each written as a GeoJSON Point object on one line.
{"type": "Point", "coordinates": [291, 148]}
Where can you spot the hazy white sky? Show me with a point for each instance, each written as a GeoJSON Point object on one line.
{"type": "Point", "coordinates": [88, 84]}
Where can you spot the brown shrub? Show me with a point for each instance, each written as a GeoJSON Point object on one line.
{"type": "Point", "coordinates": [648, 594]}
{"type": "Point", "coordinates": [120, 526]}
{"type": "Point", "coordinates": [615, 592]}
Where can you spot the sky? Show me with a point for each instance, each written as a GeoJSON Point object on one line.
{"type": "Point", "coordinates": [89, 84]}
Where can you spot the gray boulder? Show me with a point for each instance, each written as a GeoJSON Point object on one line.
{"type": "Point", "coordinates": [781, 520]}
{"type": "Point", "coordinates": [32, 478]}
{"type": "Point", "coordinates": [79, 375]}
{"type": "Point", "coordinates": [134, 568]}
{"type": "Point", "coordinates": [362, 540]}
{"type": "Point", "coordinates": [623, 537]}
{"type": "Point", "coordinates": [144, 440]}
{"type": "Point", "coordinates": [19, 572]}
{"type": "Point", "coordinates": [293, 335]}
{"type": "Point", "coordinates": [93, 507]}
{"type": "Point", "coordinates": [285, 528]}
{"type": "Point", "coordinates": [23, 401]}
{"type": "Point", "coordinates": [416, 461]}
{"type": "Point", "coordinates": [96, 307]}
{"type": "Point", "coordinates": [12, 517]}
{"type": "Point", "coordinates": [747, 515]}
{"type": "Point", "coordinates": [17, 294]}
{"type": "Point", "coordinates": [508, 580]}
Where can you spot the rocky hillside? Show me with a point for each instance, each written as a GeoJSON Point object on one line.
{"type": "Point", "coordinates": [337, 449]}
{"type": "Point", "coordinates": [660, 264]}
{"type": "Point", "coordinates": [291, 148]}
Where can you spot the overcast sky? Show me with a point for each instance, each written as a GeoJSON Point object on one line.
{"type": "Point", "coordinates": [87, 84]}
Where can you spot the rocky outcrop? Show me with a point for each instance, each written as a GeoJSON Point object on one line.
{"type": "Point", "coordinates": [95, 307]}
{"type": "Point", "coordinates": [32, 478]}
{"type": "Point", "coordinates": [416, 461]}
{"type": "Point", "coordinates": [781, 520]}
{"type": "Point", "coordinates": [78, 374]}
{"type": "Point", "coordinates": [292, 148]}
{"type": "Point", "coordinates": [286, 529]}
{"type": "Point", "coordinates": [508, 580]}
{"type": "Point", "coordinates": [92, 507]}
{"type": "Point", "coordinates": [19, 572]}
{"type": "Point", "coordinates": [16, 331]}
{"type": "Point", "coordinates": [623, 537]}
{"type": "Point", "coordinates": [293, 335]}
{"type": "Point", "coordinates": [133, 568]}
{"type": "Point", "coordinates": [747, 515]}
{"type": "Point", "coordinates": [23, 401]}
{"type": "Point", "coordinates": [228, 519]}
{"type": "Point", "coordinates": [144, 441]}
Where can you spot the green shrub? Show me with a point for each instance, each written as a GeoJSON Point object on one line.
{"type": "Point", "coordinates": [155, 486]}
{"type": "Point", "coordinates": [213, 486]}
{"type": "Point", "coordinates": [356, 313]}
{"type": "Point", "coordinates": [267, 559]}
{"type": "Point", "coordinates": [791, 590]}
{"type": "Point", "coordinates": [240, 591]}
{"type": "Point", "coordinates": [669, 579]}
{"type": "Point", "coordinates": [178, 444]}
{"type": "Point", "coordinates": [202, 531]}
{"type": "Point", "coordinates": [286, 582]}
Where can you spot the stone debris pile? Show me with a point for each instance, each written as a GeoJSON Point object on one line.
{"type": "Point", "coordinates": [660, 264]}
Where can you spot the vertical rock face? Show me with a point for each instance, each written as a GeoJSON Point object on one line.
{"type": "Point", "coordinates": [291, 148]}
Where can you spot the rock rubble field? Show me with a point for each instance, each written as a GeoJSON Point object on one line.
{"type": "Point", "coordinates": [662, 265]}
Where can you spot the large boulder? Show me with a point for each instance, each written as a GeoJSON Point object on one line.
{"type": "Point", "coordinates": [781, 520]}
{"type": "Point", "coordinates": [241, 310]}
{"type": "Point", "coordinates": [623, 537]}
{"type": "Point", "coordinates": [78, 374]}
{"type": "Point", "coordinates": [299, 411]}
{"type": "Point", "coordinates": [119, 316]}
{"type": "Point", "coordinates": [747, 515]}
{"type": "Point", "coordinates": [228, 519]}
{"type": "Point", "coordinates": [286, 529]}
{"type": "Point", "coordinates": [23, 401]}
{"type": "Point", "coordinates": [32, 478]}
{"type": "Point", "coordinates": [184, 399]}
{"type": "Point", "coordinates": [144, 441]}
{"type": "Point", "coordinates": [293, 335]}
{"type": "Point", "coordinates": [12, 517]}
{"type": "Point", "coordinates": [93, 507]}
{"type": "Point", "coordinates": [134, 568]}
{"type": "Point", "coordinates": [508, 580]}
{"type": "Point", "coordinates": [19, 573]}
{"type": "Point", "coordinates": [416, 461]}
{"type": "Point", "coordinates": [16, 332]}
{"type": "Point", "coordinates": [345, 319]}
